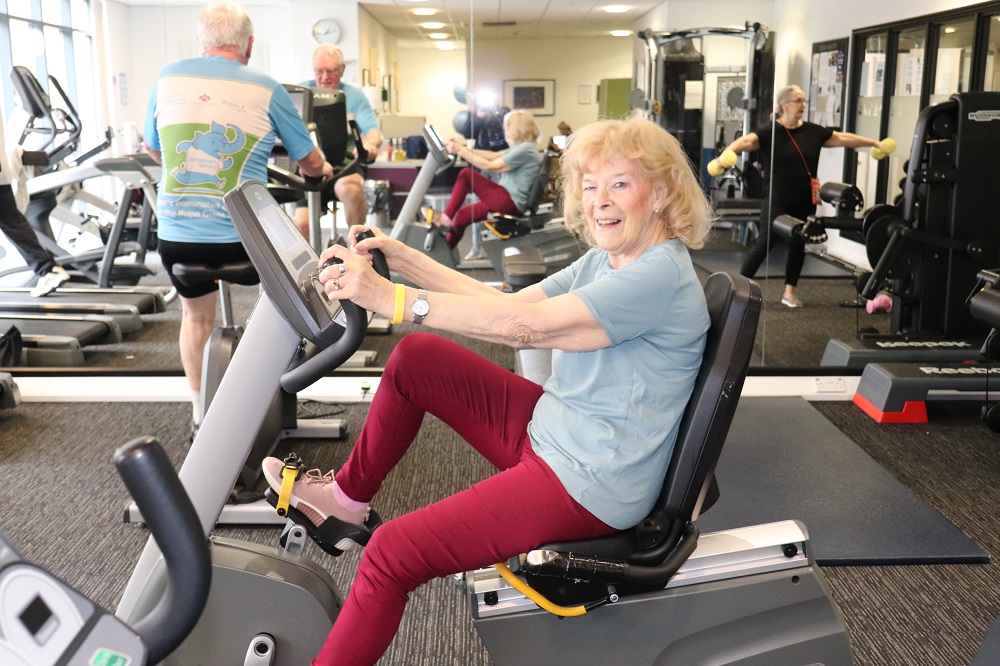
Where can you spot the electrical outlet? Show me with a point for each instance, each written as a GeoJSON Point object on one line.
{"type": "Point", "coordinates": [830, 385]}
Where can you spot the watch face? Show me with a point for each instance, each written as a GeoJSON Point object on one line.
{"type": "Point", "coordinates": [326, 31]}
{"type": "Point", "coordinates": [421, 307]}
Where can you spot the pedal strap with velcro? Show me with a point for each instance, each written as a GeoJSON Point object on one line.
{"type": "Point", "coordinates": [289, 473]}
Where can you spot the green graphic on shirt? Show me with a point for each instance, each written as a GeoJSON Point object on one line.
{"type": "Point", "coordinates": [208, 159]}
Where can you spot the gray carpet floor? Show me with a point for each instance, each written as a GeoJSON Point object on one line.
{"type": "Point", "coordinates": [63, 503]}
{"type": "Point", "coordinates": [63, 507]}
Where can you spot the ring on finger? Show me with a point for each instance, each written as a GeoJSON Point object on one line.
{"type": "Point", "coordinates": [342, 268]}
{"type": "Point", "coordinates": [336, 284]}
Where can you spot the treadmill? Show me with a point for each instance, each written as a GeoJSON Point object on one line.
{"type": "Point", "coordinates": [124, 305]}
{"type": "Point", "coordinates": [57, 340]}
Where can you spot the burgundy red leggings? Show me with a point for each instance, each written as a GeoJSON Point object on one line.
{"type": "Point", "coordinates": [521, 507]}
{"type": "Point", "coordinates": [493, 198]}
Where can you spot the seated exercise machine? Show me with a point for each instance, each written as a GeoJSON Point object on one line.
{"type": "Point", "coordinates": [409, 228]}
{"type": "Point", "coordinates": [302, 598]}
{"type": "Point", "coordinates": [515, 244]}
{"type": "Point", "coordinates": [928, 251]}
{"type": "Point", "coordinates": [756, 595]}
{"type": "Point", "coordinates": [45, 622]}
{"type": "Point", "coordinates": [657, 594]}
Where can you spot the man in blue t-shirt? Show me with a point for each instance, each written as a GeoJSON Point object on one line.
{"type": "Point", "coordinates": [328, 67]}
{"type": "Point", "coordinates": [211, 123]}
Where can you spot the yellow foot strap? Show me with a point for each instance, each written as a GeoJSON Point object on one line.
{"type": "Point", "coordinates": [289, 473]}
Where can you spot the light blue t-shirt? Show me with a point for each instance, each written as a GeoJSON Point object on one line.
{"type": "Point", "coordinates": [215, 121]}
{"type": "Point", "coordinates": [608, 419]}
{"type": "Point", "coordinates": [523, 160]}
{"type": "Point", "coordinates": [357, 106]}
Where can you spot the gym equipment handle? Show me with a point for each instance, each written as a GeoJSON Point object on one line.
{"type": "Point", "coordinates": [306, 374]}
{"type": "Point", "coordinates": [173, 522]}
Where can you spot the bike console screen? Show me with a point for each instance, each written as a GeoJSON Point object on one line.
{"type": "Point", "coordinates": [286, 263]}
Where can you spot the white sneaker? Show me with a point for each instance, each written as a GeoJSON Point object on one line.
{"type": "Point", "coordinates": [50, 281]}
{"type": "Point", "coordinates": [475, 254]}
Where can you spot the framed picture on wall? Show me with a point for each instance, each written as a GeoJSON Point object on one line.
{"type": "Point", "coordinates": [534, 95]}
{"type": "Point", "coordinates": [826, 85]}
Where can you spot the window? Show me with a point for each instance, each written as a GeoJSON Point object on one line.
{"type": "Point", "coordinates": [992, 82]}
{"type": "Point", "coordinates": [899, 69]}
{"type": "Point", "coordinates": [904, 105]}
{"type": "Point", "coordinates": [953, 64]}
{"type": "Point", "coordinates": [868, 111]}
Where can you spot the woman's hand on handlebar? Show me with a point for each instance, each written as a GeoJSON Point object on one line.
{"type": "Point", "coordinates": [390, 247]}
{"type": "Point", "coordinates": [353, 279]}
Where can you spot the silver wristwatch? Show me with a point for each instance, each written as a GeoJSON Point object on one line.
{"type": "Point", "coordinates": [420, 307]}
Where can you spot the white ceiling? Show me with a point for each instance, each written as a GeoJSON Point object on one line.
{"type": "Point", "coordinates": [485, 19]}
{"type": "Point", "coordinates": [491, 19]}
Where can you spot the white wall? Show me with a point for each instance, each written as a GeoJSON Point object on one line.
{"type": "Point", "coordinates": [570, 62]}
{"type": "Point", "coordinates": [144, 39]}
{"type": "Point", "coordinates": [426, 84]}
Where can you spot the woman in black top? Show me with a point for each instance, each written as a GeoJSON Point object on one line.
{"type": "Point", "coordinates": [789, 176]}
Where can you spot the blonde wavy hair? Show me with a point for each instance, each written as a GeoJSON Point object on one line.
{"type": "Point", "coordinates": [657, 156]}
{"type": "Point", "coordinates": [520, 126]}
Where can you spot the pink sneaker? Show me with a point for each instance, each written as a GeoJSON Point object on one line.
{"type": "Point", "coordinates": [312, 505]}
{"type": "Point", "coordinates": [312, 494]}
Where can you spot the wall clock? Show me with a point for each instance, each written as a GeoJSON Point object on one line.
{"type": "Point", "coordinates": [326, 31]}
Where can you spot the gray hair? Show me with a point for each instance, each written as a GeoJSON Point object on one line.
{"type": "Point", "coordinates": [330, 50]}
{"type": "Point", "coordinates": [225, 26]}
{"type": "Point", "coordinates": [785, 95]}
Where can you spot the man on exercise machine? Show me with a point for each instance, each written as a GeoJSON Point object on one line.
{"type": "Point", "coordinates": [349, 190]}
{"type": "Point", "coordinates": [212, 122]}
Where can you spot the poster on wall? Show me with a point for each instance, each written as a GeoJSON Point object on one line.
{"type": "Point", "coordinates": [534, 95]}
{"type": "Point", "coordinates": [826, 86]}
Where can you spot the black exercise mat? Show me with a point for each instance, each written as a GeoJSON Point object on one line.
{"type": "Point", "coordinates": [784, 460]}
{"type": "Point", "coordinates": [989, 651]}
{"type": "Point", "coordinates": [725, 261]}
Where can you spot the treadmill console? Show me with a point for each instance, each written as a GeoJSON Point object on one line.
{"type": "Point", "coordinates": [287, 264]}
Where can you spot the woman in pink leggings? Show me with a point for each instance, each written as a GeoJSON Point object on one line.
{"type": "Point", "coordinates": [583, 456]}
{"type": "Point", "coordinates": [508, 194]}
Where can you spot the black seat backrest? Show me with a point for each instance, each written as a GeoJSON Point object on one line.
{"type": "Point", "coordinates": [540, 183]}
{"type": "Point", "coordinates": [734, 307]}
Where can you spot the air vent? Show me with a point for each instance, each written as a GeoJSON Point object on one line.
{"type": "Point", "coordinates": [499, 24]}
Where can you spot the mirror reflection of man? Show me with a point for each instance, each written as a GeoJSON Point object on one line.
{"type": "Point", "coordinates": [211, 123]}
{"type": "Point", "coordinates": [328, 68]}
